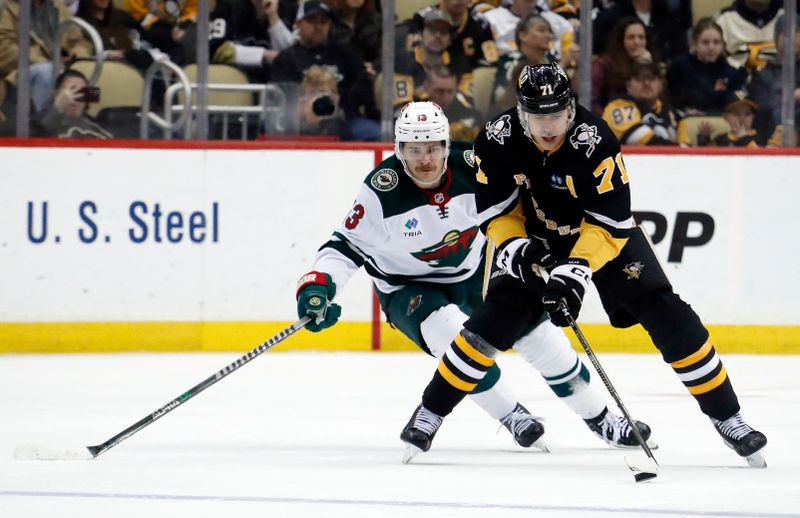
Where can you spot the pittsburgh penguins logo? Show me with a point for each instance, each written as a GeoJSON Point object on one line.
{"type": "Point", "coordinates": [499, 129]}
{"type": "Point", "coordinates": [585, 135]}
{"type": "Point", "coordinates": [633, 270]}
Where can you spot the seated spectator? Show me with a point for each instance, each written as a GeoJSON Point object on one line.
{"type": "Point", "coordinates": [472, 36]}
{"type": "Point", "coordinates": [640, 117]}
{"type": "Point", "coordinates": [45, 18]}
{"type": "Point", "coordinates": [67, 117]}
{"type": "Point", "coordinates": [628, 44]}
{"type": "Point", "coordinates": [533, 39]}
{"type": "Point", "coordinates": [318, 106]}
{"type": "Point", "coordinates": [749, 29]}
{"type": "Point", "coordinates": [739, 112]}
{"type": "Point", "coordinates": [412, 67]}
{"type": "Point", "coordinates": [465, 121]}
{"type": "Point", "coordinates": [504, 21]}
{"type": "Point", "coordinates": [359, 24]}
{"type": "Point", "coordinates": [249, 35]}
{"type": "Point", "coordinates": [766, 84]}
{"type": "Point", "coordinates": [700, 81]}
{"type": "Point", "coordinates": [167, 25]}
{"type": "Point", "coordinates": [8, 107]}
{"type": "Point", "coordinates": [315, 48]}
{"type": "Point", "coordinates": [120, 33]}
{"type": "Point", "coordinates": [666, 32]}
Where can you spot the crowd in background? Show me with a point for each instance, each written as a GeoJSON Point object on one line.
{"type": "Point", "coordinates": [657, 78]}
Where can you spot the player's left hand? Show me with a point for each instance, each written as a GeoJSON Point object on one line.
{"type": "Point", "coordinates": [315, 290]}
{"type": "Point", "coordinates": [568, 283]}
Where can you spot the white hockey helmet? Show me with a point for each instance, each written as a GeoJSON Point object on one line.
{"type": "Point", "coordinates": [421, 122]}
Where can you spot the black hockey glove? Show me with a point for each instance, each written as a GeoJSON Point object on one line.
{"type": "Point", "coordinates": [314, 293]}
{"type": "Point", "coordinates": [522, 256]}
{"type": "Point", "coordinates": [568, 283]}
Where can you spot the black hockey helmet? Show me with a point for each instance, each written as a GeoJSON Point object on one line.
{"type": "Point", "coordinates": [543, 89]}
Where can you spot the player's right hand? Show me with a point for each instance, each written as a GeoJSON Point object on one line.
{"type": "Point", "coordinates": [522, 257]}
{"type": "Point", "coordinates": [315, 290]}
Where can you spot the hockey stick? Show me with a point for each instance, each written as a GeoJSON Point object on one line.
{"type": "Point", "coordinates": [36, 452]}
{"type": "Point", "coordinates": [642, 471]}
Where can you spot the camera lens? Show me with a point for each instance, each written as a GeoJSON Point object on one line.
{"type": "Point", "coordinates": [323, 106]}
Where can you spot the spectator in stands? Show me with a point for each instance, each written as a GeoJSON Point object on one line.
{"type": "Point", "coordinates": [359, 24]}
{"type": "Point", "coordinates": [504, 21]}
{"type": "Point", "coordinates": [318, 105]}
{"type": "Point", "coordinates": [465, 121]}
{"type": "Point", "coordinates": [167, 25]}
{"type": "Point", "coordinates": [766, 85]}
{"type": "Point", "coordinates": [749, 30]}
{"type": "Point", "coordinates": [700, 81]}
{"type": "Point", "coordinates": [8, 107]}
{"type": "Point", "coordinates": [46, 15]}
{"type": "Point", "coordinates": [665, 30]}
{"type": "Point", "coordinates": [67, 117]}
{"type": "Point", "coordinates": [315, 48]}
{"type": "Point", "coordinates": [628, 44]}
{"type": "Point", "coordinates": [472, 36]}
{"type": "Point", "coordinates": [640, 117]}
{"type": "Point", "coordinates": [739, 114]}
{"type": "Point", "coordinates": [412, 67]}
{"type": "Point", "coordinates": [121, 34]}
{"type": "Point", "coordinates": [249, 35]}
{"type": "Point", "coordinates": [533, 39]}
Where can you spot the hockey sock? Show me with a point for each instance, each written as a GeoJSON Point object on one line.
{"type": "Point", "coordinates": [460, 370]}
{"type": "Point", "coordinates": [707, 380]}
{"type": "Point", "coordinates": [548, 350]}
{"type": "Point", "coordinates": [498, 401]}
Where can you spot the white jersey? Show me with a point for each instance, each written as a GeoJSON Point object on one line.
{"type": "Point", "coordinates": [504, 25]}
{"type": "Point", "coordinates": [401, 233]}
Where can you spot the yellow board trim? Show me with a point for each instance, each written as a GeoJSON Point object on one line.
{"type": "Point", "coordinates": [472, 352]}
{"type": "Point", "coordinates": [709, 385]}
{"type": "Point", "coordinates": [455, 380]}
{"type": "Point", "coordinates": [102, 337]}
{"type": "Point", "coordinates": [694, 357]}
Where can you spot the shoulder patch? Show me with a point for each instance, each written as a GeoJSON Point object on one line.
{"type": "Point", "coordinates": [384, 180]}
{"type": "Point", "coordinates": [499, 129]}
{"type": "Point", "coordinates": [469, 157]}
{"type": "Point", "coordinates": [585, 135]}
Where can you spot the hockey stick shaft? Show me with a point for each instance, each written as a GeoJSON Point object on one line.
{"type": "Point", "coordinates": [189, 394]}
{"type": "Point", "coordinates": [607, 382]}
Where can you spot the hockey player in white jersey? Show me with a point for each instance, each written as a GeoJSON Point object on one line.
{"type": "Point", "coordinates": [414, 228]}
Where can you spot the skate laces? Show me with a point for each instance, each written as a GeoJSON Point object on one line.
{"type": "Point", "coordinates": [733, 427]}
{"type": "Point", "coordinates": [427, 421]}
{"type": "Point", "coordinates": [614, 427]}
{"type": "Point", "coordinates": [519, 420]}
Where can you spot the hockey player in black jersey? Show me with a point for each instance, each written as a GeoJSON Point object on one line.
{"type": "Point", "coordinates": [551, 177]}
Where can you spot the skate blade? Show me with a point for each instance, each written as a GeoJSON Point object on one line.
{"type": "Point", "coordinates": [541, 445]}
{"type": "Point", "coordinates": [644, 468]}
{"type": "Point", "coordinates": [653, 445]}
{"type": "Point", "coordinates": [756, 460]}
{"type": "Point", "coordinates": [411, 452]}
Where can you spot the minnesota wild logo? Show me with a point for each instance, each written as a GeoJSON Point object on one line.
{"type": "Point", "coordinates": [450, 251]}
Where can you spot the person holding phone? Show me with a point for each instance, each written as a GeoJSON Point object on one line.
{"type": "Point", "coordinates": [67, 117]}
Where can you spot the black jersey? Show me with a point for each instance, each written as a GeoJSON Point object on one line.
{"type": "Point", "coordinates": [576, 197]}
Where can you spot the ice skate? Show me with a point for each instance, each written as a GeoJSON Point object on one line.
{"type": "Point", "coordinates": [526, 429]}
{"type": "Point", "coordinates": [742, 439]}
{"type": "Point", "coordinates": [419, 432]}
{"type": "Point", "coordinates": [616, 431]}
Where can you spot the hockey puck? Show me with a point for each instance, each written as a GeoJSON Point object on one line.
{"type": "Point", "coordinates": [644, 476]}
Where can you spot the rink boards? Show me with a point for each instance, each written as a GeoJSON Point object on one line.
{"type": "Point", "coordinates": [178, 248]}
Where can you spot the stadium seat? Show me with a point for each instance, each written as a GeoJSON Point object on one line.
{"type": "Point", "coordinates": [120, 84]}
{"type": "Point", "coordinates": [223, 74]}
{"type": "Point", "coordinates": [687, 128]}
{"type": "Point", "coordinates": [707, 8]}
{"type": "Point", "coordinates": [405, 9]}
{"type": "Point", "coordinates": [482, 85]}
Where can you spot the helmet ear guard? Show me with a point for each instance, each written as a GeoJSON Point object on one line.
{"type": "Point", "coordinates": [421, 122]}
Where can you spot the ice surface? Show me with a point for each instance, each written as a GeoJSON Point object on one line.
{"type": "Point", "coordinates": [316, 435]}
